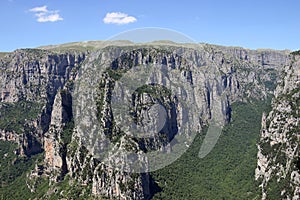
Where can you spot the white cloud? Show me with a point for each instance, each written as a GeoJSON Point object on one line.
{"type": "Point", "coordinates": [49, 18]}
{"type": "Point", "coordinates": [39, 9]}
{"type": "Point", "coordinates": [45, 15]}
{"type": "Point", "coordinates": [118, 18]}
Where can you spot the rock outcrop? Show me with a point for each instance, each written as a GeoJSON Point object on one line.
{"type": "Point", "coordinates": [204, 74]}
{"type": "Point", "coordinates": [278, 168]}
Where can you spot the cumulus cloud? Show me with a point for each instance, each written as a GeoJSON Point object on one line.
{"type": "Point", "coordinates": [118, 18]}
{"type": "Point", "coordinates": [44, 15]}
{"type": "Point", "coordinates": [39, 9]}
{"type": "Point", "coordinates": [49, 17]}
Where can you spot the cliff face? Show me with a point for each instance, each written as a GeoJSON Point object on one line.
{"type": "Point", "coordinates": [29, 83]}
{"type": "Point", "coordinates": [278, 156]}
{"type": "Point", "coordinates": [31, 74]}
{"type": "Point", "coordinates": [47, 81]}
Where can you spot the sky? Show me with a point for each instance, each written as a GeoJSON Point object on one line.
{"type": "Point", "coordinates": [248, 23]}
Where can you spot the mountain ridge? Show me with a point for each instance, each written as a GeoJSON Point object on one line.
{"type": "Point", "coordinates": [47, 75]}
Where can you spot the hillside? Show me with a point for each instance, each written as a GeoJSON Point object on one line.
{"type": "Point", "coordinates": [72, 121]}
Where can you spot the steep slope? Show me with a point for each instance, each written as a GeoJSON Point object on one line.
{"type": "Point", "coordinates": [278, 164]}
{"type": "Point", "coordinates": [29, 82]}
{"type": "Point", "coordinates": [43, 82]}
{"type": "Point", "coordinates": [227, 172]}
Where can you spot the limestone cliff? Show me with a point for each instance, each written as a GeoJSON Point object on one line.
{"type": "Point", "coordinates": [206, 74]}
{"type": "Point", "coordinates": [29, 82]}
{"type": "Point", "coordinates": [278, 156]}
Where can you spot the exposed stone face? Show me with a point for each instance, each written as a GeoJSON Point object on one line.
{"type": "Point", "coordinates": [121, 185]}
{"type": "Point", "coordinates": [278, 154]}
{"type": "Point", "coordinates": [208, 74]}
{"type": "Point", "coordinates": [8, 136]}
{"type": "Point", "coordinates": [55, 145]}
{"type": "Point", "coordinates": [51, 157]}
{"type": "Point", "coordinates": [36, 74]}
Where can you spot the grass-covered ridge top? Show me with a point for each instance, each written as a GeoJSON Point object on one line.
{"type": "Point", "coordinates": [2, 54]}
{"type": "Point", "coordinates": [99, 44]}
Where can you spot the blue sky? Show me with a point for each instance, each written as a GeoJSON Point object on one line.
{"type": "Point", "coordinates": [250, 24]}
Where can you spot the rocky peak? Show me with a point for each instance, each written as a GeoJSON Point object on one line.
{"type": "Point", "coordinates": [278, 156]}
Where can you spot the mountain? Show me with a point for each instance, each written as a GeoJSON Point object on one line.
{"type": "Point", "coordinates": [278, 156]}
{"type": "Point", "coordinates": [51, 98]}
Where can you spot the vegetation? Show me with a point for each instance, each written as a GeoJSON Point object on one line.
{"type": "Point", "coordinates": [13, 177]}
{"type": "Point", "coordinates": [272, 83]}
{"type": "Point", "coordinates": [67, 189]}
{"type": "Point", "coordinates": [157, 91]}
{"type": "Point", "coordinates": [227, 172]}
{"type": "Point", "coordinates": [13, 116]}
{"type": "Point", "coordinates": [13, 172]}
{"type": "Point", "coordinates": [274, 188]}
{"type": "Point", "coordinates": [296, 53]}
{"type": "Point", "coordinates": [67, 132]}
{"type": "Point", "coordinates": [115, 74]}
